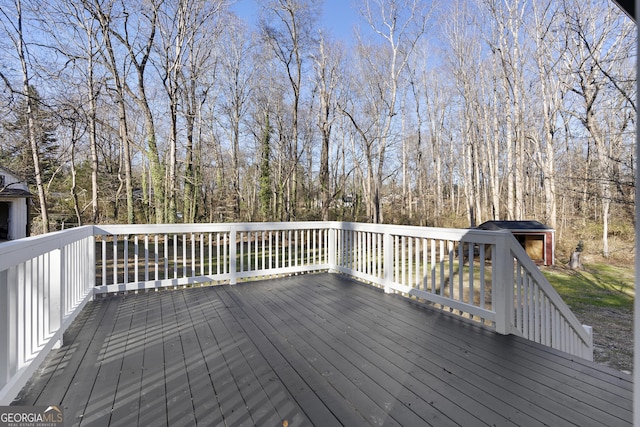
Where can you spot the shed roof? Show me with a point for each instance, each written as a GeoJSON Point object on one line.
{"type": "Point", "coordinates": [524, 225]}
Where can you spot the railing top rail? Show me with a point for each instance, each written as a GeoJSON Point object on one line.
{"type": "Point", "coordinates": [464, 235]}
{"type": "Point", "coordinates": [15, 252]}
{"type": "Point", "coordinates": [206, 227]}
{"type": "Point", "coordinates": [461, 234]}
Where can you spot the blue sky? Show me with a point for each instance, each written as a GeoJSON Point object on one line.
{"type": "Point", "coordinates": [338, 16]}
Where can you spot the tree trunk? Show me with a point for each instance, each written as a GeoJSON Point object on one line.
{"type": "Point", "coordinates": [31, 126]}
{"type": "Point", "coordinates": [574, 261]}
{"type": "Point", "coordinates": [93, 145]}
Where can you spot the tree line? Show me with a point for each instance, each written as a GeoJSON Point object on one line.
{"type": "Point", "coordinates": [431, 113]}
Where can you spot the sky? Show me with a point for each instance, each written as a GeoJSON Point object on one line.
{"type": "Point", "coordinates": [338, 16]}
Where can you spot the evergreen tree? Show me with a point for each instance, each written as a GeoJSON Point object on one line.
{"type": "Point", "coordinates": [15, 152]}
{"type": "Point", "coordinates": [265, 171]}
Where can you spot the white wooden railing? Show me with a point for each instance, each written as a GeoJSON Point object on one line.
{"type": "Point", "coordinates": [484, 276]}
{"type": "Point", "coordinates": [45, 281]}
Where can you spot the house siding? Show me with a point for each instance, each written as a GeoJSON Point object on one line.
{"type": "Point", "coordinates": [18, 204]}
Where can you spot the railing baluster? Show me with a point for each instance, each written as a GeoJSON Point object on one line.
{"type": "Point", "coordinates": [519, 301]}
{"type": "Point", "coordinates": [165, 260]}
{"type": "Point", "coordinates": [184, 255]}
{"type": "Point", "coordinates": [537, 320]}
{"type": "Point", "coordinates": [241, 250]}
{"type": "Point", "coordinates": [283, 249]}
{"type": "Point", "coordinates": [270, 249]}
{"type": "Point", "coordinates": [346, 249]}
{"type": "Point", "coordinates": [256, 250]}
{"type": "Point", "coordinates": [532, 307]}
{"type": "Point", "coordinates": [442, 258]}
{"type": "Point", "coordinates": [202, 254]}
{"type": "Point", "coordinates": [264, 251]}
{"type": "Point", "coordinates": [22, 325]}
{"type": "Point", "coordinates": [296, 245]}
{"type": "Point", "coordinates": [218, 259]}
{"type": "Point", "coordinates": [277, 249]}
{"type": "Point", "coordinates": [361, 251]}
{"type": "Point", "coordinates": [156, 265]}
{"type": "Point", "coordinates": [396, 246]}
{"type": "Point", "coordinates": [225, 253]}
{"type": "Point", "coordinates": [289, 246]}
{"type": "Point", "coordinates": [210, 252]}
{"type": "Point", "coordinates": [379, 256]}
{"type": "Point", "coordinates": [309, 247]}
{"type": "Point", "coordinates": [416, 264]}
{"type": "Point", "coordinates": [425, 264]}
{"type": "Point", "coordinates": [233, 255]}
{"type": "Point", "coordinates": [410, 261]}
{"type": "Point", "coordinates": [482, 275]}
{"type": "Point", "coordinates": [27, 316]}
{"type": "Point", "coordinates": [460, 272]}
{"type": "Point", "coordinates": [175, 256]}
{"type": "Point", "coordinates": [104, 261]}
{"type": "Point", "coordinates": [315, 247]}
{"type": "Point", "coordinates": [471, 256]}
{"type": "Point", "coordinates": [451, 256]}
{"type": "Point", "coordinates": [45, 268]}
{"type": "Point", "coordinates": [146, 257]}
{"type": "Point", "coordinates": [193, 255]}
{"type": "Point", "coordinates": [135, 258]}
{"type": "Point", "coordinates": [115, 260]}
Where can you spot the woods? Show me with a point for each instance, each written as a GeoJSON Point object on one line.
{"type": "Point", "coordinates": [431, 113]}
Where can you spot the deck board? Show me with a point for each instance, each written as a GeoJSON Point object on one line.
{"type": "Point", "coordinates": [316, 349]}
{"type": "Point", "coordinates": [532, 374]}
{"type": "Point", "coordinates": [521, 381]}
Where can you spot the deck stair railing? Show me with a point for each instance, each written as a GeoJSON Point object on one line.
{"type": "Point", "coordinates": [485, 276]}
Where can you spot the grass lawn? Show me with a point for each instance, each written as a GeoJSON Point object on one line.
{"type": "Point", "coordinates": [601, 285]}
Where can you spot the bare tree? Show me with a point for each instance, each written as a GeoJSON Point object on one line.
{"type": "Point", "coordinates": [594, 60]}
{"type": "Point", "coordinates": [102, 15]}
{"type": "Point", "coordinates": [13, 29]}
{"type": "Point", "coordinates": [400, 24]}
{"type": "Point", "coordinates": [237, 75]}
{"type": "Point", "coordinates": [465, 63]}
{"type": "Point", "coordinates": [507, 43]}
{"type": "Point", "coordinates": [135, 31]}
{"type": "Point", "coordinates": [71, 16]}
{"type": "Point", "coordinates": [288, 29]}
{"type": "Point", "coordinates": [327, 63]}
{"type": "Point", "coordinates": [183, 25]}
{"type": "Point", "coordinates": [550, 62]}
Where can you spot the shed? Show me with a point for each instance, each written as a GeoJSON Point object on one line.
{"type": "Point", "coordinates": [14, 205]}
{"type": "Point", "coordinates": [536, 238]}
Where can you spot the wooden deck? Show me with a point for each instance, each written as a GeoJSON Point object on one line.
{"type": "Point", "coordinates": [316, 349]}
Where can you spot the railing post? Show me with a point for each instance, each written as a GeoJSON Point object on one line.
{"type": "Point", "coordinates": [56, 292]}
{"type": "Point", "coordinates": [332, 249]}
{"type": "Point", "coordinates": [5, 328]}
{"type": "Point", "coordinates": [9, 329]}
{"type": "Point", "coordinates": [233, 249]}
{"type": "Point", "coordinates": [388, 261]}
{"type": "Point", "coordinates": [588, 350]}
{"type": "Point", "coordinates": [90, 267]}
{"type": "Point", "coordinates": [502, 284]}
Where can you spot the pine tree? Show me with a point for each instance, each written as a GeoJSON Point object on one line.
{"type": "Point", "coordinates": [16, 151]}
